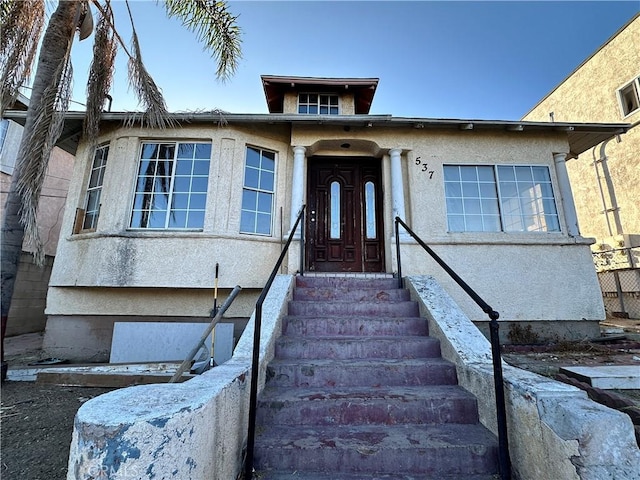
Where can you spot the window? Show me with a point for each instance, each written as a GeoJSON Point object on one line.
{"type": "Point", "coordinates": [334, 213]}
{"type": "Point", "coordinates": [314, 103]}
{"type": "Point", "coordinates": [630, 97]}
{"type": "Point", "coordinates": [257, 195]}
{"type": "Point", "coordinates": [171, 188]}
{"type": "Point", "coordinates": [4, 127]}
{"type": "Point", "coordinates": [370, 210]}
{"type": "Point", "coordinates": [94, 190]}
{"type": "Point", "coordinates": [508, 198]}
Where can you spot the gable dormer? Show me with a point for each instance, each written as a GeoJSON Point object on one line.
{"type": "Point", "coordinates": [319, 96]}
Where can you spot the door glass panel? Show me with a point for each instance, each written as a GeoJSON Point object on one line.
{"type": "Point", "coordinates": [370, 209]}
{"type": "Point", "coordinates": [335, 210]}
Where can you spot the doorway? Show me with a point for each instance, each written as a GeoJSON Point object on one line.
{"type": "Point", "coordinates": [344, 205]}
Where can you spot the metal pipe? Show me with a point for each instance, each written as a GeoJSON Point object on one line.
{"type": "Point", "coordinates": [216, 319]}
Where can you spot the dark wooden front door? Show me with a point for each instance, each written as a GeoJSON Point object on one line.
{"type": "Point", "coordinates": [344, 229]}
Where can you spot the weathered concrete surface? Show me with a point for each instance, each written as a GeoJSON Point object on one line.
{"type": "Point", "coordinates": [608, 377]}
{"type": "Point", "coordinates": [192, 430]}
{"type": "Point", "coordinates": [554, 430]}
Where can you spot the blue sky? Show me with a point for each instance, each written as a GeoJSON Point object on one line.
{"type": "Point", "coordinates": [436, 59]}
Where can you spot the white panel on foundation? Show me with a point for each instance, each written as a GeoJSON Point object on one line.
{"type": "Point", "coordinates": [222, 343]}
{"type": "Point", "coordinates": [134, 342]}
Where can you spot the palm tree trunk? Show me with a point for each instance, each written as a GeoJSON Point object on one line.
{"type": "Point", "coordinates": [54, 50]}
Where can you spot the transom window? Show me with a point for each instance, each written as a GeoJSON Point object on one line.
{"type": "Point", "coordinates": [171, 188]}
{"type": "Point", "coordinates": [508, 198]}
{"type": "Point", "coordinates": [314, 103]}
{"type": "Point", "coordinates": [257, 194]}
{"type": "Point", "coordinates": [630, 97]}
{"type": "Point", "coordinates": [94, 190]}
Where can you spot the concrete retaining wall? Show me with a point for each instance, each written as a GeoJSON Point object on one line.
{"type": "Point", "coordinates": [554, 430]}
{"type": "Point", "coordinates": [192, 430]}
{"type": "Point", "coordinates": [197, 429]}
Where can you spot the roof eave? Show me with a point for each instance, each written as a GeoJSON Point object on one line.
{"type": "Point", "coordinates": [581, 136]}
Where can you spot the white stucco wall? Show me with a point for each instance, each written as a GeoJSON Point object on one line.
{"type": "Point", "coordinates": [530, 276]}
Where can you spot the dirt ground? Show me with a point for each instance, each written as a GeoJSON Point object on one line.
{"type": "Point", "coordinates": [37, 420]}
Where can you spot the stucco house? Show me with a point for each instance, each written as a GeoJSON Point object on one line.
{"type": "Point", "coordinates": [30, 293]}
{"type": "Point", "coordinates": [605, 177]}
{"type": "Point", "coordinates": [153, 211]}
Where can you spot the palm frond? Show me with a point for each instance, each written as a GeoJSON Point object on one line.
{"type": "Point", "coordinates": [215, 27]}
{"type": "Point", "coordinates": [100, 75]}
{"type": "Point", "coordinates": [49, 102]}
{"type": "Point", "coordinates": [21, 23]}
{"type": "Point", "coordinates": [47, 129]}
{"type": "Point", "coordinates": [156, 114]}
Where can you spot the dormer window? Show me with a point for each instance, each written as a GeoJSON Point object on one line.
{"type": "Point", "coordinates": [630, 97]}
{"type": "Point", "coordinates": [315, 103]}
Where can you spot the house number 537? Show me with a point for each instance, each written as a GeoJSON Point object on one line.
{"type": "Point", "coordinates": [424, 167]}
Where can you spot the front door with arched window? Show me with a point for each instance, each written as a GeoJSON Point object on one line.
{"type": "Point", "coordinates": [344, 205]}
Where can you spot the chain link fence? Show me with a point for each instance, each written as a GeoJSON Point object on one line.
{"type": "Point", "coordinates": [619, 276]}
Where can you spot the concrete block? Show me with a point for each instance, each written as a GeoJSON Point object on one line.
{"type": "Point", "coordinates": [607, 377]}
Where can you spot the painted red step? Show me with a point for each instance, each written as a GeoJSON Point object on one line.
{"type": "Point", "coordinates": [354, 325]}
{"type": "Point", "coordinates": [353, 295]}
{"type": "Point", "coordinates": [360, 373]}
{"type": "Point", "coordinates": [347, 308]}
{"type": "Point", "coordinates": [381, 449]}
{"type": "Point", "coordinates": [302, 475]}
{"type": "Point", "coordinates": [366, 405]}
{"type": "Point", "coordinates": [346, 283]}
{"type": "Point", "coordinates": [332, 347]}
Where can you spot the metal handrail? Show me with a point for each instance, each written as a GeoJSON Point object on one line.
{"type": "Point", "coordinates": [253, 397]}
{"type": "Point", "coordinates": [501, 412]}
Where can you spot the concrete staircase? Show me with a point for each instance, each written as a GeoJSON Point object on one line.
{"type": "Point", "coordinates": [358, 390]}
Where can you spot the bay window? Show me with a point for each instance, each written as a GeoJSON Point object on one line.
{"type": "Point", "coordinates": [171, 186]}
{"type": "Point", "coordinates": [94, 189]}
{"type": "Point", "coordinates": [257, 194]}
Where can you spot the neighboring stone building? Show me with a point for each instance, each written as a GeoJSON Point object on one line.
{"type": "Point", "coordinates": [29, 299]}
{"type": "Point", "coordinates": [150, 215]}
{"type": "Point", "coordinates": [606, 178]}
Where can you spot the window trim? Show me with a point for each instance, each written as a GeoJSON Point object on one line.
{"type": "Point", "coordinates": [176, 143]}
{"type": "Point", "coordinates": [635, 85]}
{"type": "Point", "coordinates": [499, 199]}
{"type": "Point", "coordinates": [318, 104]}
{"type": "Point", "coordinates": [273, 192]}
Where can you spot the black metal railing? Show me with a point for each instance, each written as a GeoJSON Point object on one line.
{"type": "Point", "coordinates": [501, 413]}
{"type": "Point", "coordinates": [255, 366]}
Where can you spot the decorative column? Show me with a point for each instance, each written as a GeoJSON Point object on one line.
{"type": "Point", "coordinates": [297, 186]}
{"type": "Point", "coordinates": [397, 185]}
{"type": "Point", "coordinates": [566, 194]}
